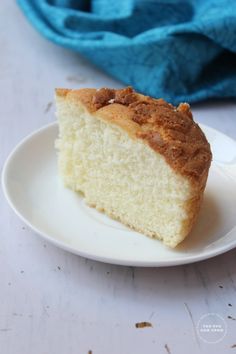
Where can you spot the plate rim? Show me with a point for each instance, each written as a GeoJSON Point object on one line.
{"type": "Point", "coordinates": [109, 260]}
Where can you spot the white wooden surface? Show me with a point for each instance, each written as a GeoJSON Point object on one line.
{"type": "Point", "coordinates": [53, 302]}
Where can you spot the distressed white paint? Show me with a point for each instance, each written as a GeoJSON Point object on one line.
{"type": "Point", "coordinates": [54, 302]}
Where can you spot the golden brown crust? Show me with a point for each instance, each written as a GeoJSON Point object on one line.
{"type": "Point", "coordinates": [166, 129]}
{"type": "Point", "coordinates": [60, 92]}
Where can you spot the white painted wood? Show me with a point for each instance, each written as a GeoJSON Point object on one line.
{"type": "Point", "coordinates": [54, 302]}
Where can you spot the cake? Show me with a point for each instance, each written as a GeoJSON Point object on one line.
{"type": "Point", "coordinates": [139, 160]}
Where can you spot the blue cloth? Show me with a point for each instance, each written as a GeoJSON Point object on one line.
{"type": "Point", "coordinates": [181, 50]}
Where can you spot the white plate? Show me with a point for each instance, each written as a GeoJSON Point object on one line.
{"type": "Point", "coordinates": [35, 192]}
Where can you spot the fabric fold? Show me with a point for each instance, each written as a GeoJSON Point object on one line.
{"type": "Point", "coordinates": [178, 50]}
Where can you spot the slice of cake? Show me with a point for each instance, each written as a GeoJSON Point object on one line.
{"type": "Point", "coordinates": [139, 160]}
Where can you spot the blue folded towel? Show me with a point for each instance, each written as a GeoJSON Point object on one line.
{"type": "Point", "coordinates": [181, 50]}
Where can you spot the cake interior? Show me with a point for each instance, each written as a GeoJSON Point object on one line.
{"type": "Point", "coordinates": [121, 176]}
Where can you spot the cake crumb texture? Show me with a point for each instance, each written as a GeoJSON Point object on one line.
{"type": "Point", "coordinates": [140, 160]}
